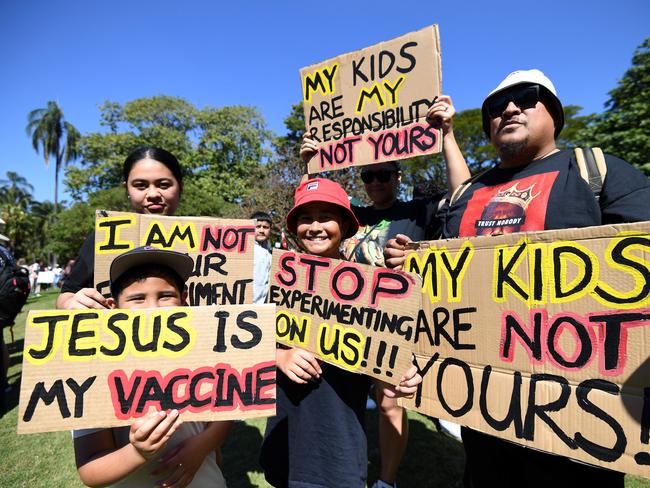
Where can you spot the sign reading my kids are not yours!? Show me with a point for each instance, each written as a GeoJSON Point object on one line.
{"type": "Point", "coordinates": [542, 339]}
{"type": "Point", "coordinates": [370, 105]}
{"type": "Point", "coordinates": [357, 317]}
{"type": "Point", "coordinates": [222, 250]}
{"type": "Point", "coordinates": [106, 368]}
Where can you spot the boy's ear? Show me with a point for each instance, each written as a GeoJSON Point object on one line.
{"type": "Point", "coordinates": [184, 297]}
{"type": "Point", "coordinates": [111, 302]}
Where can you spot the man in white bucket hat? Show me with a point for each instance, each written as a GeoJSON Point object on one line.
{"type": "Point", "coordinates": [535, 186]}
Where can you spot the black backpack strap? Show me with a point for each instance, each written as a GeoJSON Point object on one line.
{"type": "Point", "coordinates": [592, 167]}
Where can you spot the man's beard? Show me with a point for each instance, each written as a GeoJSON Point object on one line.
{"type": "Point", "coordinates": [511, 150]}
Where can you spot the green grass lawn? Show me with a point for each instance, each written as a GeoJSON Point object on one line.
{"type": "Point", "coordinates": [432, 459]}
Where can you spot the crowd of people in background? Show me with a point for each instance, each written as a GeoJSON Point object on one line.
{"type": "Point", "coordinates": [317, 439]}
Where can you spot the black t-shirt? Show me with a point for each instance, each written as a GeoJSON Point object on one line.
{"type": "Point", "coordinates": [547, 194]}
{"type": "Point", "coordinates": [317, 437]}
{"type": "Point", "coordinates": [82, 274]}
{"type": "Point", "coordinates": [415, 219]}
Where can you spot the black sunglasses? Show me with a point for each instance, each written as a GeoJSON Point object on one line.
{"type": "Point", "coordinates": [523, 98]}
{"type": "Point", "coordinates": [383, 176]}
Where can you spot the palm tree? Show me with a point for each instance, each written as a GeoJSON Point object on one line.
{"type": "Point", "coordinates": [55, 137]}
{"type": "Point", "coordinates": [16, 190]}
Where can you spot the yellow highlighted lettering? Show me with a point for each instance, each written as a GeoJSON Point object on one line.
{"type": "Point", "coordinates": [436, 262]}
{"type": "Point", "coordinates": [375, 92]}
{"type": "Point", "coordinates": [620, 256]}
{"type": "Point", "coordinates": [341, 345]}
{"type": "Point", "coordinates": [108, 234]}
{"type": "Point", "coordinates": [179, 234]}
{"type": "Point", "coordinates": [320, 80]}
{"type": "Point", "coordinates": [291, 329]}
{"type": "Point", "coordinates": [586, 269]}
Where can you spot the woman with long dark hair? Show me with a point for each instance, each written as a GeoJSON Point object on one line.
{"type": "Point", "coordinates": [153, 180]}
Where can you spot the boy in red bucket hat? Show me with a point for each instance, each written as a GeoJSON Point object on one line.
{"type": "Point", "coordinates": [317, 439]}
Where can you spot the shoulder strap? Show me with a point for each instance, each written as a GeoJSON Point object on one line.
{"type": "Point", "coordinates": [462, 188]}
{"type": "Point", "coordinates": [592, 167]}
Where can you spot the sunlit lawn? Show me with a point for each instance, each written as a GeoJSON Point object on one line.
{"type": "Point", "coordinates": [432, 459]}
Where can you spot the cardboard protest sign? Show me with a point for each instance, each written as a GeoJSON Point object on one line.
{"type": "Point", "coordinates": [105, 368]}
{"type": "Point", "coordinates": [370, 106]}
{"type": "Point", "coordinates": [541, 339]}
{"type": "Point", "coordinates": [222, 250]}
{"type": "Point", "coordinates": [357, 317]}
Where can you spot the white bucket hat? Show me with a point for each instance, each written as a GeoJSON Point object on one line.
{"type": "Point", "coordinates": [529, 77]}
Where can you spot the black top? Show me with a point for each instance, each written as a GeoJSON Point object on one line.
{"type": "Point", "coordinates": [547, 194]}
{"type": "Point", "coordinates": [317, 437]}
{"type": "Point", "coordinates": [415, 219]}
{"type": "Point", "coordinates": [82, 274]}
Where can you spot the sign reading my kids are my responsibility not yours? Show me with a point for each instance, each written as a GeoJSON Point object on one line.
{"type": "Point", "coordinates": [106, 368]}
{"type": "Point", "coordinates": [370, 106]}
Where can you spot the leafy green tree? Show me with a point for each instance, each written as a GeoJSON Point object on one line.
{"type": "Point", "coordinates": [218, 148]}
{"type": "Point", "coordinates": [67, 234]}
{"type": "Point", "coordinates": [55, 138]}
{"type": "Point", "coordinates": [15, 190]}
{"type": "Point", "coordinates": [199, 198]}
{"type": "Point", "coordinates": [572, 134]}
{"type": "Point", "coordinates": [42, 217]}
{"type": "Point", "coordinates": [15, 209]}
{"type": "Point", "coordinates": [18, 228]}
{"type": "Point", "coordinates": [275, 182]}
{"type": "Point", "coordinates": [623, 129]}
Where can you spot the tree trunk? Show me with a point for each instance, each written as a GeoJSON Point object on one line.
{"type": "Point", "coordinates": [53, 258]}
{"type": "Point", "coordinates": [57, 168]}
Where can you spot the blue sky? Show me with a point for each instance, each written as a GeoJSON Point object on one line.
{"type": "Point", "coordinates": [81, 53]}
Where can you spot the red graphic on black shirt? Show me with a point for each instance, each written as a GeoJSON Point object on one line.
{"type": "Point", "coordinates": [515, 206]}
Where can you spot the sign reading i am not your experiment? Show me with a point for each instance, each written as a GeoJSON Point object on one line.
{"type": "Point", "coordinates": [222, 250]}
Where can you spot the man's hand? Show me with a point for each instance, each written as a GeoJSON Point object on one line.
{"type": "Point", "coordinates": [149, 434]}
{"type": "Point", "coordinates": [441, 114]}
{"type": "Point", "coordinates": [395, 251]}
{"type": "Point", "coordinates": [299, 365]}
